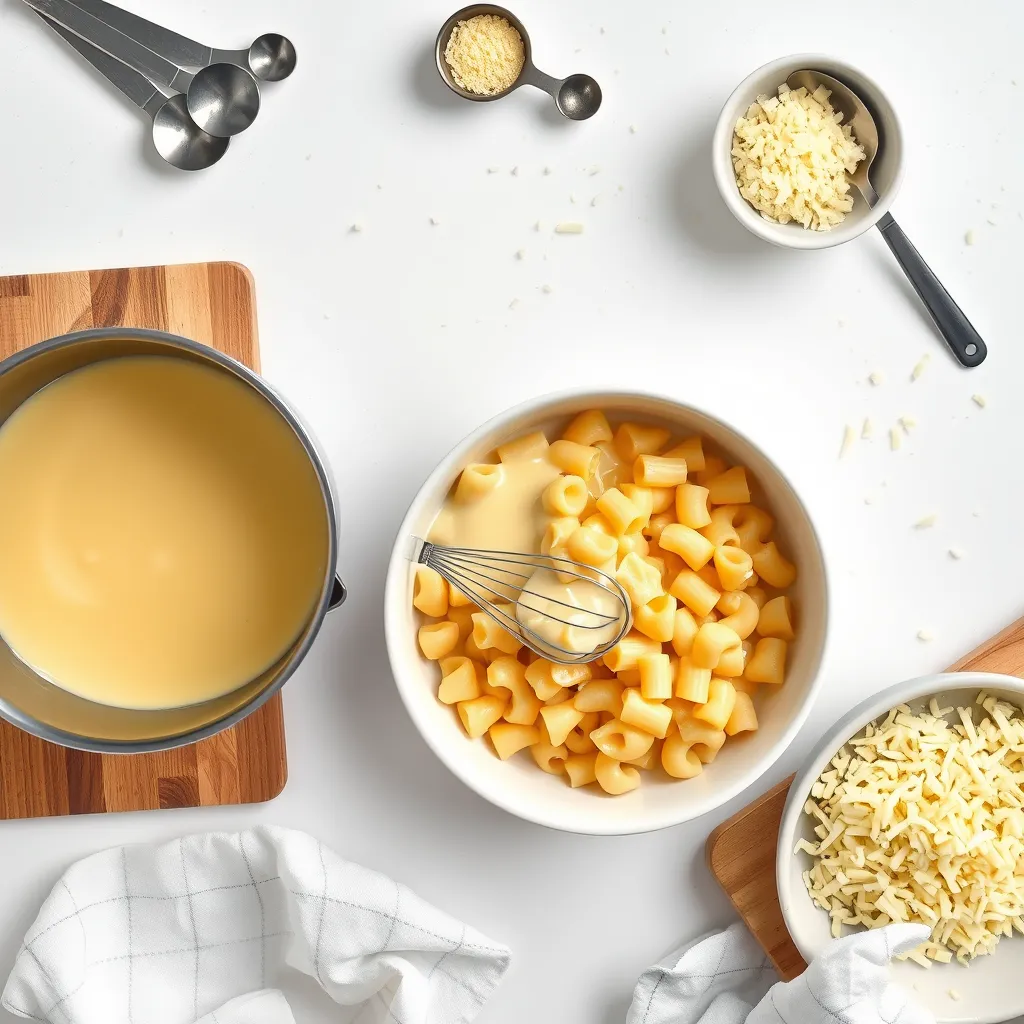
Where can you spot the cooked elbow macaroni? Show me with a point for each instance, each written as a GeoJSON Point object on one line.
{"type": "Point", "coordinates": [683, 533]}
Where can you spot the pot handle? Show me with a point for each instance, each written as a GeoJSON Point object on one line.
{"type": "Point", "coordinates": [338, 594]}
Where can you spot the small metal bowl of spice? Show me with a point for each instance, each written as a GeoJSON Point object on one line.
{"type": "Point", "coordinates": [483, 53]}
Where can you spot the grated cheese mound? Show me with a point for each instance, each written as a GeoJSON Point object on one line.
{"type": "Point", "coordinates": [791, 155]}
{"type": "Point", "coordinates": [486, 54]}
{"type": "Point", "coordinates": [922, 821]}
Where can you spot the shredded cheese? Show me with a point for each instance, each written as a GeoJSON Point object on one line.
{"type": "Point", "coordinates": [919, 368]}
{"type": "Point", "coordinates": [791, 155]}
{"type": "Point", "coordinates": [568, 227]}
{"type": "Point", "coordinates": [849, 434]}
{"type": "Point", "coordinates": [922, 820]}
{"type": "Point", "coordinates": [979, 400]}
{"type": "Point", "coordinates": [926, 521]}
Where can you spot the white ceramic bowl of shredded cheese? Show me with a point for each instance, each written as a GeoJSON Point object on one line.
{"type": "Point", "coordinates": [517, 785]}
{"type": "Point", "coordinates": [886, 170]}
{"type": "Point", "coordinates": [983, 992]}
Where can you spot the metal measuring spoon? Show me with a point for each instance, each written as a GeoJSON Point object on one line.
{"type": "Point", "coordinates": [223, 99]}
{"type": "Point", "coordinates": [178, 139]}
{"type": "Point", "coordinates": [957, 331]}
{"type": "Point", "coordinates": [577, 97]}
{"type": "Point", "coordinates": [270, 58]}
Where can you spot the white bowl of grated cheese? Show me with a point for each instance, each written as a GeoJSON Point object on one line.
{"type": "Point", "coordinates": [952, 777]}
{"type": "Point", "coordinates": [886, 170]}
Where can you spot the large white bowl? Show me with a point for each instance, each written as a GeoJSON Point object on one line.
{"type": "Point", "coordinates": [988, 988]}
{"type": "Point", "coordinates": [517, 785]}
{"type": "Point", "coordinates": [886, 171]}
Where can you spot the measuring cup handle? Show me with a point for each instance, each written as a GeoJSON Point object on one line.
{"type": "Point", "coordinates": [535, 77]}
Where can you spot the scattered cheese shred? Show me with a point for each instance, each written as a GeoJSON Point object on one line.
{"type": "Point", "coordinates": [907, 423]}
{"type": "Point", "coordinates": [956, 554]}
{"type": "Point", "coordinates": [919, 369]}
{"type": "Point", "coordinates": [791, 155]}
{"type": "Point", "coordinates": [849, 436]}
{"type": "Point", "coordinates": [969, 237]}
{"type": "Point", "coordinates": [867, 430]}
{"type": "Point", "coordinates": [925, 635]}
{"type": "Point", "coordinates": [979, 400]}
{"type": "Point", "coordinates": [920, 819]}
{"type": "Point", "coordinates": [569, 227]}
{"type": "Point", "coordinates": [485, 54]}
{"type": "Point", "coordinates": [894, 439]}
{"type": "Point", "coordinates": [926, 521]}
{"type": "Point", "coordinates": [520, 254]}
{"type": "Point", "coordinates": [875, 379]}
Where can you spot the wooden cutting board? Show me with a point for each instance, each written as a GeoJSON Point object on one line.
{"type": "Point", "coordinates": [741, 851]}
{"type": "Point", "coordinates": [213, 303]}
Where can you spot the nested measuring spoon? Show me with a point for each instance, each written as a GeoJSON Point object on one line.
{"type": "Point", "coordinates": [577, 97]}
{"type": "Point", "coordinates": [223, 99]}
{"type": "Point", "coordinates": [177, 138]}
{"type": "Point", "coordinates": [270, 58]}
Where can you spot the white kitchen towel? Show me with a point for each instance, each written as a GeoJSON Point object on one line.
{"type": "Point", "coordinates": [727, 979]}
{"type": "Point", "coordinates": [201, 929]}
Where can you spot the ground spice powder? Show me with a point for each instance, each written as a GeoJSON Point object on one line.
{"type": "Point", "coordinates": [486, 54]}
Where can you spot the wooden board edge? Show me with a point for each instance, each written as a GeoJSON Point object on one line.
{"type": "Point", "coordinates": [730, 823]}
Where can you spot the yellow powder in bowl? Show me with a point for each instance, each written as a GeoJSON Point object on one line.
{"type": "Point", "coordinates": [486, 54]}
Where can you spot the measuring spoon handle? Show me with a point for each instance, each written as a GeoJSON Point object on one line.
{"type": "Point", "coordinates": [532, 75]}
{"type": "Point", "coordinates": [172, 46]}
{"type": "Point", "coordinates": [135, 55]}
{"type": "Point", "coordinates": [957, 331]}
{"type": "Point", "coordinates": [139, 89]}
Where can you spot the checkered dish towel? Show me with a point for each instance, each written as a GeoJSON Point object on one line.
{"type": "Point", "coordinates": [199, 930]}
{"type": "Point", "coordinates": [727, 979]}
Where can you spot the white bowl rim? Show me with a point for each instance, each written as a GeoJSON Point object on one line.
{"type": "Point", "coordinates": [722, 169]}
{"type": "Point", "coordinates": [399, 558]}
{"type": "Point", "coordinates": [868, 710]}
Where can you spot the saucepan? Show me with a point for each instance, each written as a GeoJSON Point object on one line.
{"type": "Point", "coordinates": [34, 704]}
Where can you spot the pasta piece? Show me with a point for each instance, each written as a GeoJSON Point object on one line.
{"type": "Point", "coordinates": [457, 599]}
{"type": "Point", "coordinates": [678, 759]}
{"type": "Point", "coordinates": [578, 740]}
{"type": "Point", "coordinates": [600, 695]}
{"type": "Point", "coordinates": [776, 619]}
{"type": "Point", "coordinates": [621, 513]}
{"type": "Point", "coordinates": [720, 530]}
{"type": "Point", "coordinates": [588, 428]}
{"type": "Point", "coordinates": [718, 707]}
{"type": "Point", "coordinates": [706, 739]}
{"type": "Point", "coordinates": [768, 665]}
{"type": "Point", "coordinates": [437, 639]}
{"type": "Point", "coordinates": [529, 446]}
{"type": "Point", "coordinates": [650, 716]}
{"type": "Point", "coordinates": [773, 568]}
{"type": "Point", "coordinates": [613, 778]}
{"type": "Point", "coordinates": [560, 720]}
{"type": "Point", "coordinates": [692, 450]}
{"type": "Point", "coordinates": [621, 741]}
{"type": "Point", "coordinates": [477, 716]}
{"type": "Point", "coordinates": [658, 471]}
{"type": "Point", "coordinates": [571, 675]}
{"type": "Point", "coordinates": [692, 506]}
{"type": "Point", "coordinates": [709, 574]}
{"type": "Point", "coordinates": [632, 544]}
{"type": "Point", "coordinates": [734, 567]}
{"type": "Point", "coordinates": [732, 662]}
{"type": "Point", "coordinates": [663, 499]}
{"type": "Point", "coordinates": [713, 466]}
{"type": "Point", "coordinates": [744, 685]}
{"type": "Point", "coordinates": [700, 597]}
{"type": "Point", "coordinates": [656, 527]}
{"type": "Point", "coordinates": [740, 612]}
{"type": "Point", "coordinates": [729, 488]}
{"type": "Point", "coordinates": [478, 480]}
{"type": "Point", "coordinates": [650, 760]}
{"type": "Point", "coordinates": [557, 534]}
{"type": "Point", "coordinates": [639, 579]}
{"type": "Point", "coordinates": [560, 697]}
{"type": "Point", "coordinates": [692, 683]}
{"type": "Point", "coordinates": [509, 674]}
{"type": "Point", "coordinates": [538, 675]}
{"type": "Point", "coordinates": [430, 592]}
{"type": "Point", "coordinates": [684, 631]}
{"type": "Point", "coordinates": [635, 439]}
{"type": "Point", "coordinates": [743, 717]}
{"type": "Point", "coordinates": [656, 677]}
{"type": "Point", "coordinates": [598, 522]}
{"type": "Point", "coordinates": [757, 595]}
{"type": "Point", "coordinates": [458, 682]}
{"type": "Point", "coordinates": [754, 527]}
{"type": "Point", "coordinates": [549, 757]}
{"type": "Point", "coordinates": [627, 652]}
{"type": "Point", "coordinates": [591, 547]}
{"type": "Point", "coordinates": [489, 633]}
{"type": "Point", "coordinates": [509, 739]}
{"type": "Point", "coordinates": [657, 618]}
{"type": "Point", "coordinates": [642, 498]}
{"type": "Point", "coordinates": [463, 618]}
{"type": "Point", "coordinates": [711, 642]}
{"type": "Point", "coordinates": [575, 459]}
{"type": "Point", "coordinates": [695, 549]}
{"type": "Point", "coordinates": [581, 769]}
{"type": "Point", "coordinates": [565, 496]}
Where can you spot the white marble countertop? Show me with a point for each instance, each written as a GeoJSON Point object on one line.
{"type": "Point", "coordinates": [399, 339]}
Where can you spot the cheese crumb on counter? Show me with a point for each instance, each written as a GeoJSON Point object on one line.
{"type": "Point", "coordinates": [907, 423]}
{"type": "Point", "coordinates": [791, 155]}
{"type": "Point", "coordinates": [920, 367]}
{"type": "Point", "coordinates": [925, 635]}
{"type": "Point", "coordinates": [953, 994]}
{"type": "Point", "coordinates": [867, 430]}
{"type": "Point", "coordinates": [520, 254]}
{"type": "Point", "coordinates": [569, 227]}
{"type": "Point", "coordinates": [546, 289]}
{"type": "Point", "coordinates": [356, 228]}
{"type": "Point", "coordinates": [956, 554]}
{"type": "Point", "coordinates": [485, 54]}
{"type": "Point", "coordinates": [926, 521]}
{"type": "Point", "coordinates": [979, 400]}
{"type": "Point", "coordinates": [969, 237]}
{"type": "Point", "coordinates": [874, 379]}
{"type": "Point", "coordinates": [849, 435]}
{"type": "Point", "coordinates": [894, 439]}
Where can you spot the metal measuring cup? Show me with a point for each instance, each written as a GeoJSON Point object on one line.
{"type": "Point", "coordinates": [577, 97]}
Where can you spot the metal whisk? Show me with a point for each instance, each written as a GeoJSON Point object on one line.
{"type": "Point", "coordinates": [510, 586]}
